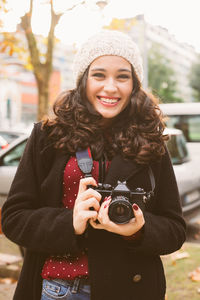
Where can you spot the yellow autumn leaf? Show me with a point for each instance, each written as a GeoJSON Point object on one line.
{"type": "Point", "coordinates": [11, 51]}
{"type": "Point", "coordinates": [28, 66]}
{"type": "Point", "coordinates": [116, 24]}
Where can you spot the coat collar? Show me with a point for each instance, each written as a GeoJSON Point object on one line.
{"type": "Point", "coordinates": [122, 170]}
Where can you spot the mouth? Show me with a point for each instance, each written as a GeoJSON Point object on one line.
{"type": "Point", "coordinates": [108, 100]}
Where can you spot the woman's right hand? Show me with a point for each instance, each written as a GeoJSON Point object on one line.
{"type": "Point", "coordinates": [86, 199]}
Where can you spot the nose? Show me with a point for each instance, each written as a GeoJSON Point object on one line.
{"type": "Point", "coordinates": [110, 85]}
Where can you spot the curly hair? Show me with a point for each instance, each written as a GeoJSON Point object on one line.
{"type": "Point", "coordinates": [136, 133]}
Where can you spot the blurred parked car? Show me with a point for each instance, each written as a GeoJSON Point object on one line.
{"type": "Point", "coordinates": [185, 167]}
{"type": "Point", "coordinates": [3, 143]}
{"type": "Point", "coordinates": [185, 162]}
{"type": "Point", "coordinates": [10, 135]}
{"type": "Point", "coordinates": [184, 116]}
{"type": "Point", "coordinates": [9, 160]}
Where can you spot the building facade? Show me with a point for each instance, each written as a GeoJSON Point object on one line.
{"type": "Point", "coordinates": [19, 94]}
{"type": "Point", "coordinates": [180, 55]}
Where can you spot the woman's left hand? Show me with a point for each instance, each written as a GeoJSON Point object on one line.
{"type": "Point", "coordinates": [128, 229]}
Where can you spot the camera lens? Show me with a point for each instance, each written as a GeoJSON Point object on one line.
{"type": "Point", "coordinates": [120, 210]}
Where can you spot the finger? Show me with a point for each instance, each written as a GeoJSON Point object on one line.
{"type": "Point", "coordinates": [92, 193]}
{"type": "Point", "coordinates": [106, 202]}
{"type": "Point", "coordinates": [84, 182]}
{"type": "Point", "coordinates": [107, 199]}
{"type": "Point", "coordinates": [139, 217]}
{"type": "Point", "coordinates": [103, 217]}
{"type": "Point", "coordinates": [95, 225]}
{"type": "Point", "coordinates": [91, 202]}
{"type": "Point", "coordinates": [105, 205]}
{"type": "Point", "coordinates": [89, 214]}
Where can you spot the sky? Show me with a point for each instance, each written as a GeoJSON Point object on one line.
{"type": "Point", "coordinates": [180, 17]}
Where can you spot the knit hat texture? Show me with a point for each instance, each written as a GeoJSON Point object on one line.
{"type": "Point", "coordinates": [107, 42]}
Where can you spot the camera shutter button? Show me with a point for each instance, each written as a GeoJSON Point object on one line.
{"type": "Point", "coordinates": [137, 278]}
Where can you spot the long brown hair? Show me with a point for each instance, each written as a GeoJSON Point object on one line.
{"type": "Point", "coordinates": [136, 133]}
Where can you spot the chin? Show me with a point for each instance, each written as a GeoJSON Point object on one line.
{"type": "Point", "coordinates": [108, 115]}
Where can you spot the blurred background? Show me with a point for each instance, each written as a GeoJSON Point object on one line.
{"type": "Point", "coordinates": [39, 38]}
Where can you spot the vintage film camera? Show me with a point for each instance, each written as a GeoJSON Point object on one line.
{"type": "Point", "coordinates": [120, 209]}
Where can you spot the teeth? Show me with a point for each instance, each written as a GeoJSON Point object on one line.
{"type": "Point", "coordinates": [108, 100]}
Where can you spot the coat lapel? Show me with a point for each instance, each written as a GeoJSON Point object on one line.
{"type": "Point", "coordinates": [122, 170]}
{"type": "Point", "coordinates": [52, 187]}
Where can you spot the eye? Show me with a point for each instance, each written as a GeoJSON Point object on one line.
{"type": "Point", "coordinates": [98, 75]}
{"type": "Point", "coordinates": [123, 76]}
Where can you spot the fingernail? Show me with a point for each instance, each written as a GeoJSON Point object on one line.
{"type": "Point", "coordinates": [107, 198]}
{"type": "Point", "coordinates": [105, 205]}
{"type": "Point", "coordinates": [135, 207]}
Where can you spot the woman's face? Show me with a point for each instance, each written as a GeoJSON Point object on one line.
{"type": "Point", "coordinates": [109, 85]}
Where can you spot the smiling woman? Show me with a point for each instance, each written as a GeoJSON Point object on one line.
{"type": "Point", "coordinates": [94, 199]}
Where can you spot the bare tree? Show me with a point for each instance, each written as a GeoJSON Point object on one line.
{"type": "Point", "coordinates": [42, 69]}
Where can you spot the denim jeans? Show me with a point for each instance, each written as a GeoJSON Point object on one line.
{"type": "Point", "coordinates": [65, 290]}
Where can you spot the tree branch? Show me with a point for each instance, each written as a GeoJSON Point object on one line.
{"type": "Point", "coordinates": [31, 7]}
{"type": "Point", "coordinates": [50, 44]}
{"type": "Point", "coordinates": [83, 2]}
{"type": "Point", "coordinates": [50, 40]}
{"type": "Point", "coordinates": [32, 43]}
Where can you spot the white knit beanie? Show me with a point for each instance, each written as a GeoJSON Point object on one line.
{"type": "Point", "coordinates": [107, 42]}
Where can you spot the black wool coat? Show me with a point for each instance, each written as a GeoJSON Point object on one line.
{"type": "Point", "coordinates": [119, 269]}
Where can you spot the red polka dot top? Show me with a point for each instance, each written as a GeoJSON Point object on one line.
{"type": "Point", "coordinates": [69, 267]}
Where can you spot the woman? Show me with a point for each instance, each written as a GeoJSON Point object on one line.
{"type": "Point", "coordinates": [54, 210]}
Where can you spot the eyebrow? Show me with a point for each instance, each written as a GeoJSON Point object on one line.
{"type": "Point", "coordinates": [98, 69]}
{"type": "Point", "coordinates": [104, 70]}
{"type": "Point", "coordinates": [124, 70]}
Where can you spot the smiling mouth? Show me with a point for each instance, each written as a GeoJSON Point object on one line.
{"type": "Point", "coordinates": [108, 100]}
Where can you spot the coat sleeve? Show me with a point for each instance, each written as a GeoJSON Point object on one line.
{"type": "Point", "coordinates": [164, 229]}
{"type": "Point", "coordinates": [25, 221]}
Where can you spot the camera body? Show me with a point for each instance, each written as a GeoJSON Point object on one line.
{"type": "Point", "coordinates": [120, 209]}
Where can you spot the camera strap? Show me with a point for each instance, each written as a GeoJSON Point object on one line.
{"type": "Point", "coordinates": [85, 161]}
{"type": "Point", "coordinates": [102, 169]}
{"type": "Point", "coordinates": [153, 183]}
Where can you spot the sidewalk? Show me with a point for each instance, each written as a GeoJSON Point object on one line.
{"type": "Point", "coordinates": [7, 291]}
{"type": "Point", "coordinates": [10, 266]}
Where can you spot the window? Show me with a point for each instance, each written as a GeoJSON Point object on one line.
{"type": "Point", "coordinates": [178, 149]}
{"type": "Point", "coordinates": [189, 124]}
{"type": "Point", "coordinates": [9, 137]}
{"type": "Point", "coordinates": [12, 158]}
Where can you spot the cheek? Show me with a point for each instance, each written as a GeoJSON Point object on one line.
{"type": "Point", "coordinates": [127, 91]}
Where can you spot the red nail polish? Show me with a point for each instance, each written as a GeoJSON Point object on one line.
{"type": "Point", "coordinates": [105, 205]}
{"type": "Point", "coordinates": [135, 207]}
{"type": "Point", "coordinates": [107, 198]}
